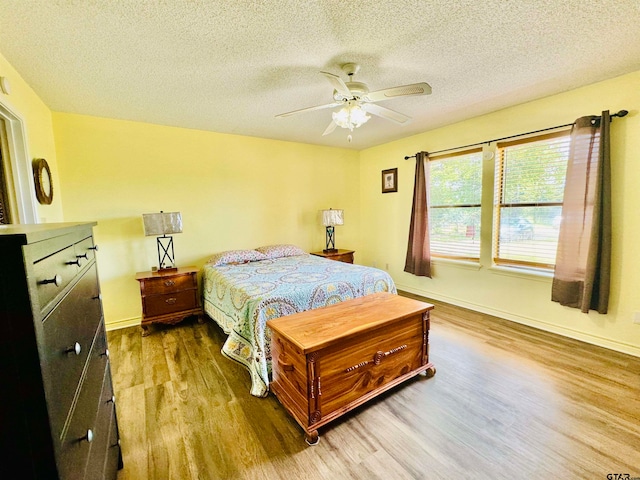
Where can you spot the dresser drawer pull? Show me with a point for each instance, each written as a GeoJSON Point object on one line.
{"type": "Point", "coordinates": [84, 255]}
{"type": "Point", "coordinates": [75, 349]}
{"type": "Point", "coordinates": [94, 248]}
{"type": "Point", "coordinates": [377, 358]}
{"type": "Point", "coordinates": [89, 436]}
{"type": "Point", "coordinates": [112, 399]}
{"type": "Point", "coordinates": [57, 280]}
{"type": "Point", "coordinates": [97, 297]}
{"type": "Point", "coordinates": [75, 262]}
{"type": "Point", "coordinates": [171, 300]}
{"type": "Point", "coordinates": [169, 283]}
{"type": "Point", "coordinates": [105, 354]}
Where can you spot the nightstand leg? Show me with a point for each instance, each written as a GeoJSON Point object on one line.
{"type": "Point", "coordinates": [145, 330]}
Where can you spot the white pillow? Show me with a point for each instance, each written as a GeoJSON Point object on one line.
{"type": "Point", "coordinates": [280, 250]}
{"type": "Point", "coordinates": [232, 257]}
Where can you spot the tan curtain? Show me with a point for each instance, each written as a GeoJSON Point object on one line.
{"type": "Point", "coordinates": [583, 260]}
{"type": "Point", "coordinates": [418, 259]}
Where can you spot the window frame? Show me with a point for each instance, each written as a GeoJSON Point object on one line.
{"type": "Point", "coordinates": [499, 204]}
{"type": "Point", "coordinates": [444, 156]}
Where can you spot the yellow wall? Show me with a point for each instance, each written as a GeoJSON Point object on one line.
{"type": "Point", "coordinates": [241, 192]}
{"type": "Point", "coordinates": [523, 298]}
{"type": "Point", "coordinates": [36, 117]}
{"type": "Point", "coordinates": [233, 192]}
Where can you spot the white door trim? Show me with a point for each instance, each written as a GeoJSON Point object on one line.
{"type": "Point", "coordinates": [18, 168]}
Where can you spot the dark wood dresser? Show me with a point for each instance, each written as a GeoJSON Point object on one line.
{"type": "Point", "coordinates": [57, 408]}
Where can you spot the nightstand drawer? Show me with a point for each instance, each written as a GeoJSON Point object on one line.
{"type": "Point", "coordinates": [345, 257]}
{"type": "Point", "coordinates": [171, 284]}
{"type": "Point", "coordinates": [339, 255]}
{"type": "Point", "coordinates": [170, 303]}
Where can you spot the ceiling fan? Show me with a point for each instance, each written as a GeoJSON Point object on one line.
{"type": "Point", "coordinates": [357, 101]}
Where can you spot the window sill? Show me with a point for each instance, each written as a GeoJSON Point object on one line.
{"type": "Point", "coordinates": [450, 262]}
{"type": "Point", "coordinates": [526, 273]}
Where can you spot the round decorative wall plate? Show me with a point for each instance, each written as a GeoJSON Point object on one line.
{"type": "Point", "coordinates": [43, 182]}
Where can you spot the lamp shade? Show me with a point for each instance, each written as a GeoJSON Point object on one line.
{"type": "Point", "coordinates": [162, 223]}
{"type": "Point", "coordinates": [332, 217]}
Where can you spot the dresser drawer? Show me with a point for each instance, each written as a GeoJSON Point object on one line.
{"type": "Point", "coordinates": [171, 284]}
{"type": "Point", "coordinates": [170, 303]}
{"type": "Point", "coordinates": [86, 427]}
{"type": "Point", "coordinates": [100, 445]}
{"type": "Point", "coordinates": [53, 273]}
{"type": "Point", "coordinates": [113, 460]}
{"type": "Point", "coordinates": [68, 333]}
{"type": "Point", "coordinates": [85, 250]}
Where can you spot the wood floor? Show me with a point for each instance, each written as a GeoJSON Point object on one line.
{"type": "Point", "coordinates": [507, 401]}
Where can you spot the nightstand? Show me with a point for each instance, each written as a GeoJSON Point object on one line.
{"type": "Point", "coordinates": [169, 297]}
{"type": "Point", "coordinates": [341, 255]}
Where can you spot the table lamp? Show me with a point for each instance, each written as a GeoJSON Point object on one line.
{"type": "Point", "coordinates": [331, 218]}
{"type": "Point", "coordinates": [163, 225]}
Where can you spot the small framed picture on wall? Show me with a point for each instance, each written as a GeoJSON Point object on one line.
{"type": "Point", "coordinates": [390, 180]}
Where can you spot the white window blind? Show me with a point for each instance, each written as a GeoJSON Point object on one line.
{"type": "Point", "coordinates": [455, 191]}
{"type": "Point", "coordinates": [530, 179]}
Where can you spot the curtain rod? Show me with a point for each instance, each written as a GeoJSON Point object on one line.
{"type": "Point", "coordinates": [621, 113]}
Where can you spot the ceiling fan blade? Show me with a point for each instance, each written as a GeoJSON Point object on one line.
{"type": "Point", "coordinates": [310, 109]}
{"type": "Point", "coordinates": [332, 126]}
{"type": "Point", "coordinates": [401, 91]}
{"type": "Point", "coordinates": [386, 113]}
{"type": "Point", "coordinates": [338, 83]}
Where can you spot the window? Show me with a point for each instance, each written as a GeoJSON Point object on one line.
{"type": "Point", "coordinates": [529, 189]}
{"type": "Point", "coordinates": [455, 191]}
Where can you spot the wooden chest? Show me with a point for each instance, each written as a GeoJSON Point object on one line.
{"type": "Point", "coordinates": [328, 361]}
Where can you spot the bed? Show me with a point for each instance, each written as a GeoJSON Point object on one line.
{"type": "Point", "coordinates": [243, 289]}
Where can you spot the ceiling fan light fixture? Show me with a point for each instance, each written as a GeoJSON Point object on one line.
{"type": "Point", "coordinates": [350, 116]}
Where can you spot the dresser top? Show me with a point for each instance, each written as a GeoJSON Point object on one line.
{"type": "Point", "coordinates": [41, 231]}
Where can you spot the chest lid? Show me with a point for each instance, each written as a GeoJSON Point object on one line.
{"type": "Point", "coordinates": [316, 329]}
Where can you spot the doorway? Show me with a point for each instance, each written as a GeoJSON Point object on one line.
{"type": "Point", "coordinates": [17, 192]}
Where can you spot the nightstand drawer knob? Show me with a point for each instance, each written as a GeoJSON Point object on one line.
{"type": "Point", "coordinates": [84, 255]}
{"type": "Point", "coordinates": [75, 349]}
{"type": "Point", "coordinates": [169, 283]}
{"type": "Point", "coordinates": [57, 280]}
{"type": "Point", "coordinates": [106, 353]}
{"type": "Point", "coordinates": [94, 248]}
{"type": "Point", "coordinates": [75, 262]}
{"type": "Point", "coordinates": [171, 300]}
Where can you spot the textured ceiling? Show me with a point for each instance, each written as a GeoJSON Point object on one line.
{"type": "Point", "coordinates": [231, 66]}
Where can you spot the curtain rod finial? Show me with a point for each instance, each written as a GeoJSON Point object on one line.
{"type": "Point", "coordinates": [622, 113]}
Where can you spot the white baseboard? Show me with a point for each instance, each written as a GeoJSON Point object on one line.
{"type": "Point", "coordinates": [531, 322]}
{"type": "Point", "coordinates": [124, 323]}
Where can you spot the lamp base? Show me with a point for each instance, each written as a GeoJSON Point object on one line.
{"type": "Point", "coordinates": [167, 270]}
{"type": "Point", "coordinates": [330, 250]}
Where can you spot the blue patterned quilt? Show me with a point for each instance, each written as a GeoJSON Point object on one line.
{"type": "Point", "coordinates": [241, 298]}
